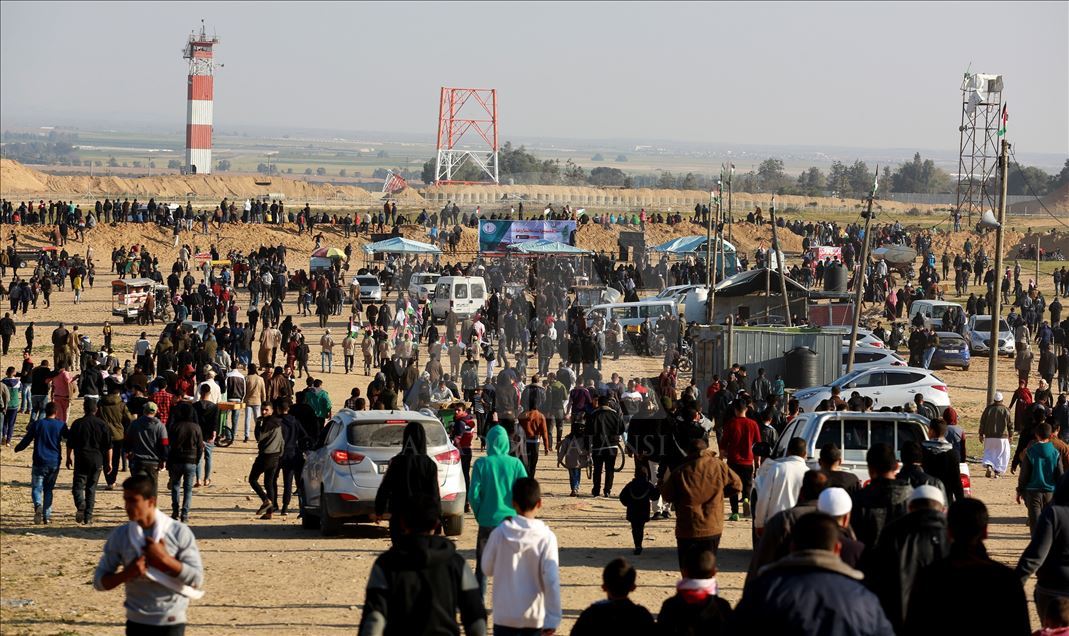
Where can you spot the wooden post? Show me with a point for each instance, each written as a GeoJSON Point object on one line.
{"type": "Point", "coordinates": [859, 280]}
{"type": "Point", "coordinates": [996, 290]}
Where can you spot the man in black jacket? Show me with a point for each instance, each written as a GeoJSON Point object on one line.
{"type": "Point", "coordinates": [604, 429]}
{"type": "Point", "coordinates": [883, 500]}
{"type": "Point", "coordinates": [420, 584]}
{"type": "Point", "coordinates": [941, 460]}
{"type": "Point", "coordinates": [907, 545]}
{"type": "Point", "coordinates": [967, 577]}
{"type": "Point", "coordinates": [89, 442]}
{"type": "Point", "coordinates": [208, 419]}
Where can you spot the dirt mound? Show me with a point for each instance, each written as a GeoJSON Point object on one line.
{"type": "Point", "coordinates": [19, 180]}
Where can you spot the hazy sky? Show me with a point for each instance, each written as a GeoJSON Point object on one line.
{"type": "Point", "coordinates": [838, 74]}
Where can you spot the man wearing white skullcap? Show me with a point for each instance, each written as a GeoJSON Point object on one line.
{"type": "Point", "coordinates": [996, 429]}
{"type": "Point", "coordinates": [836, 503]}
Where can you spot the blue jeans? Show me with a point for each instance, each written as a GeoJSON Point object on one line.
{"type": "Point", "coordinates": [929, 353]}
{"type": "Point", "coordinates": [37, 407]}
{"type": "Point", "coordinates": [251, 413]}
{"type": "Point", "coordinates": [573, 477]}
{"type": "Point", "coordinates": [9, 422]}
{"type": "Point", "coordinates": [185, 473]}
{"type": "Point", "coordinates": [42, 483]}
{"type": "Point", "coordinates": [326, 362]}
{"type": "Point", "coordinates": [208, 448]}
{"type": "Point", "coordinates": [25, 408]}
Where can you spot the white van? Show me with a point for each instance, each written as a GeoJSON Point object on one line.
{"type": "Point", "coordinates": [931, 310]}
{"type": "Point", "coordinates": [464, 295]}
{"type": "Point", "coordinates": [631, 315]}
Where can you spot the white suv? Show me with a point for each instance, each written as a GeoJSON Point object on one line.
{"type": "Point", "coordinates": [342, 475]}
{"type": "Point", "coordinates": [869, 357]}
{"type": "Point", "coordinates": [887, 386]}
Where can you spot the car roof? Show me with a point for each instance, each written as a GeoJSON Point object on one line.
{"type": "Point", "coordinates": [948, 334]}
{"type": "Point", "coordinates": [871, 415]}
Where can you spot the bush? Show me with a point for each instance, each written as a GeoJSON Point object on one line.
{"type": "Point", "coordinates": [913, 212]}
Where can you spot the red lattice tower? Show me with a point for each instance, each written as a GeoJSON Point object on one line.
{"type": "Point", "coordinates": [467, 131]}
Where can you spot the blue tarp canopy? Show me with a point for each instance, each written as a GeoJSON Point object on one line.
{"type": "Point", "coordinates": [545, 246]}
{"type": "Point", "coordinates": [400, 245]}
{"type": "Point", "coordinates": [689, 245]}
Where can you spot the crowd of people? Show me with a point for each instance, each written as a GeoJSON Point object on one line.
{"type": "Point", "coordinates": [827, 550]}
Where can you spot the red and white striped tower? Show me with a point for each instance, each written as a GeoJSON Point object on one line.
{"type": "Point", "coordinates": [199, 101]}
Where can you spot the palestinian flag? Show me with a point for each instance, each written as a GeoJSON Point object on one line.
{"type": "Point", "coordinates": [1005, 118]}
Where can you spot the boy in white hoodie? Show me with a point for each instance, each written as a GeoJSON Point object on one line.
{"type": "Point", "coordinates": [521, 556]}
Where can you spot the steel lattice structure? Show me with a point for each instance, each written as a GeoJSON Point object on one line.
{"type": "Point", "coordinates": [981, 106]}
{"type": "Point", "coordinates": [471, 114]}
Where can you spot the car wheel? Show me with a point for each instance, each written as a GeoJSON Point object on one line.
{"type": "Point", "coordinates": [965, 368]}
{"type": "Point", "coordinates": [328, 526]}
{"type": "Point", "coordinates": [453, 526]}
{"type": "Point", "coordinates": [309, 521]}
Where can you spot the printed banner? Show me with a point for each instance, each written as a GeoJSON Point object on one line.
{"type": "Point", "coordinates": [497, 235]}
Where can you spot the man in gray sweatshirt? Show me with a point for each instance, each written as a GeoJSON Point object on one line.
{"type": "Point", "coordinates": [146, 444]}
{"type": "Point", "coordinates": [161, 571]}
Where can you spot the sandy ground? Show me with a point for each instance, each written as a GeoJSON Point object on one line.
{"type": "Point", "coordinates": [268, 575]}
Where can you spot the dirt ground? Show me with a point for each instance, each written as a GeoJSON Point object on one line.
{"type": "Point", "coordinates": [271, 575]}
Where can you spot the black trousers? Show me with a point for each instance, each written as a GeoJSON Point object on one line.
{"type": "Point", "coordinates": [291, 472]}
{"type": "Point", "coordinates": [267, 466]}
{"type": "Point", "coordinates": [532, 457]}
{"type": "Point", "coordinates": [116, 461]}
{"type": "Point", "coordinates": [638, 530]}
{"type": "Point", "coordinates": [140, 629]}
{"type": "Point", "coordinates": [684, 546]}
{"type": "Point", "coordinates": [604, 459]}
{"type": "Point", "coordinates": [84, 487]}
{"type": "Point", "coordinates": [745, 473]}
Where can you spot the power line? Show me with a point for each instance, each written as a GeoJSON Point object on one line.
{"type": "Point", "coordinates": [1036, 196]}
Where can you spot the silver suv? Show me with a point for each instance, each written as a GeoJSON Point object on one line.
{"type": "Point", "coordinates": [342, 476]}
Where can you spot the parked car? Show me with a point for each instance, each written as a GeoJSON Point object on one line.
{"type": "Point", "coordinates": [369, 286]}
{"type": "Point", "coordinates": [953, 351]}
{"type": "Point", "coordinates": [188, 326]}
{"type": "Point", "coordinates": [342, 475]}
{"type": "Point", "coordinates": [887, 386]}
{"type": "Point", "coordinates": [421, 286]}
{"type": "Point", "coordinates": [868, 357]}
{"type": "Point", "coordinates": [978, 334]}
{"type": "Point", "coordinates": [854, 433]}
{"type": "Point", "coordinates": [931, 310]}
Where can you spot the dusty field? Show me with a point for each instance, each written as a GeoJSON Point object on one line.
{"type": "Point", "coordinates": [271, 575]}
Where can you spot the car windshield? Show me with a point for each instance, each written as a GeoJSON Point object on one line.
{"type": "Point", "coordinates": [368, 281]}
{"type": "Point", "coordinates": [388, 434]}
{"type": "Point", "coordinates": [983, 325]}
{"type": "Point", "coordinates": [846, 379]}
{"type": "Point", "coordinates": [939, 310]}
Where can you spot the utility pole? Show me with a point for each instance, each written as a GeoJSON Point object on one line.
{"type": "Point", "coordinates": [782, 268]}
{"type": "Point", "coordinates": [1039, 239]}
{"type": "Point", "coordinates": [859, 280]}
{"type": "Point", "coordinates": [768, 272]}
{"type": "Point", "coordinates": [710, 265]}
{"type": "Point", "coordinates": [996, 291]}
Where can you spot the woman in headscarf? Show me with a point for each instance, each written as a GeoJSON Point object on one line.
{"type": "Point", "coordinates": [411, 472]}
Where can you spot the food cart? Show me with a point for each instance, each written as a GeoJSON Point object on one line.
{"type": "Point", "coordinates": [128, 297]}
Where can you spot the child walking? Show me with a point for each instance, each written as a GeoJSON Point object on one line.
{"type": "Point", "coordinates": [521, 555]}
{"type": "Point", "coordinates": [696, 608]}
{"type": "Point", "coordinates": [636, 497]}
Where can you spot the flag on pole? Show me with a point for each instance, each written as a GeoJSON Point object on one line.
{"type": "Point", "coordinates": [394, 183]}
{"type": "Point", "coordinates": [876, 181]}
{"type": "Point", "coordinates": [1005, 118]}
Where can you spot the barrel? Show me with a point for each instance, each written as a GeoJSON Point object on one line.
{"type": "Point", "coordinates": [835, 278]}
{"type": "Point", "coordinates": [801, 371]}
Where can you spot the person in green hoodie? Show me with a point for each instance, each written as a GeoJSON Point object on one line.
{"type": "Point", "coordinates": [490, 492]}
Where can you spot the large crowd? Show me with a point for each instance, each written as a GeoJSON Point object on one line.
{"type": "Point", "coordinates": [526, 376]}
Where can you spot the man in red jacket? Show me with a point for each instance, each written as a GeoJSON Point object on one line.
{"type": "Point", "coordinates": [736, 446]}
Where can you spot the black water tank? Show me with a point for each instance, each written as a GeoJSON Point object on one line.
{"type": "Point", "coordinates": [801, 372]}
{"type": "Point", "coordinates": [835, 278]}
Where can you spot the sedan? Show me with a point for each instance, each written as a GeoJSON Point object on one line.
{"type": "Point", "coordinates": [887, 386]}
{"type": "Point", "coordinates": [953, 351]}
{"type": "Point", "coordinates": [978, 333]}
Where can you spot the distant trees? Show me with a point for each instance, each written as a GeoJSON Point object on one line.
{"type": "Point", "coordinates": [113, 162]}
{"type": "Point", "coordinates": [264, 168]}
{"type": "Point", "coordinates": [223, 165]}
{"type": "Point", "coordinates": [308, 171]}
{"type": "Point", "coordinates": [811, 182]}
{"type": "Point", "coordinates": [175, 164]}
{"type": "Point", "coordinates": [1019, 180]}
{"type": "Point", "coordinates": [920, 176]}
{"type": "Point", "coordinates": [380, 173]}
{"type": "Point", "coordinates": [321, 171]}
{"type": "Point", "coordinates": [342, 173]}
{"type": "Point", "coordinates": [597, 157]}
{"type": "Point", "coordinates": [621, 158]}
{"type": "Point", "coordinates": [55, 147]}
{"type": "Point", "coordinates": [603, 176]}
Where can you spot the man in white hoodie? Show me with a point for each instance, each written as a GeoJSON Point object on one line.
{"type": "Point", "coordinates": [521, 556]}
{"type": "Point", "coordinates": [778, 484]}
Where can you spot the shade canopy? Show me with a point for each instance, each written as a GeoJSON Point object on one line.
{"type": "Point", "coordinates": [545, 247]}
{"type": "Point", "coordinates": [328, 252]}
{"type": "Point", "coordinates": [400, 245]}
{"type": "Point", "coordinates": [689, 245]}
{"type": "Point", "coordinates": [753, 280]}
